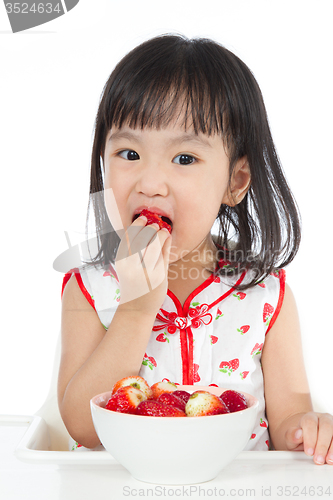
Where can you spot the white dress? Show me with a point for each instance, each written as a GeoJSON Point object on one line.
{"type": "Point", "coordinates": [216, 338]}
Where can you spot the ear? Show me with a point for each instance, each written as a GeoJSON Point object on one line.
{"type": "Point", "coordinates": [239, 184]}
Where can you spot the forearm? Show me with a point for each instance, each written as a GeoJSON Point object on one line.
{"type": "Point", "coordinates": [118, 355]}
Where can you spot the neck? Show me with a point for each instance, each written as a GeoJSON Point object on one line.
{"type": "Point", "coordinates": [200, 261]}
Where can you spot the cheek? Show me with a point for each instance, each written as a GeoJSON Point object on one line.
{"type": "Point", "coordinates": [112, 209]}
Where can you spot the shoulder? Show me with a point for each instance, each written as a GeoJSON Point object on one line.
{"type": "Point", "coordinates": [90, 278]}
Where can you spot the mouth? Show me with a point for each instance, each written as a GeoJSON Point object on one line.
{"type": "Point", "coordinates": [161, 220]}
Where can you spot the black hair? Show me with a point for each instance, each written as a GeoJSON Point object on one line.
{"type": "Point", "coordinates": [214, 92]}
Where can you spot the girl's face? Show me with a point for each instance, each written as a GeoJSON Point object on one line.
{"type": "Point", "coordinates": [181, 175]}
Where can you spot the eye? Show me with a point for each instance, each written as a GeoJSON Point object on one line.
{"type": "Point", "coordinates": [184, 159]}
{"type": "Point", "coordinates": [129, 154]}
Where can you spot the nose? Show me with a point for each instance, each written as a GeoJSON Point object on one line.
{"type": "Point", "coordinates": [152, 180]}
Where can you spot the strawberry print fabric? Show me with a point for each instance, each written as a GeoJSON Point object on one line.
{"type": "Point", "coordinates": [216, 338]}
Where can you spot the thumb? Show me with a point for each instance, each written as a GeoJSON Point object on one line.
{"type": "Point", "coordinates": [294, 439]}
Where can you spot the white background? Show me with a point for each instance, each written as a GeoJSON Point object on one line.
{"type": "Point", "coordinates": [51, 78]}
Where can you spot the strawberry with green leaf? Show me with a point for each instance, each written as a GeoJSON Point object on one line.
{"type": "Point", "coordinates": [162, 337]}
{"type": "Point", "coordinates": [229, 366]}
{"type": "Point", "coordinates": [219, 313]}
{"type": "Point", "coordinates": [213, 339]}
{"type": "Point", "coordinates": [149, 361]}
{"type": "Point", "coordinates": [256, 349]}
{"type": "Point", "coordinates": [267, 313]}
{"type": "Point", "coordinates": [243, 329]}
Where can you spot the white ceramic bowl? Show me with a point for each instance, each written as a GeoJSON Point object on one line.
{"type": "Point", "coordinates": [170, 450]}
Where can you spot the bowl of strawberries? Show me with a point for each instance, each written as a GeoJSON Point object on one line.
{"type": "Point", "coordinates": [173, 434]}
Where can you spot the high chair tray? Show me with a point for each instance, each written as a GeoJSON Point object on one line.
{"type": "Point", "coordinates": [34, 447]}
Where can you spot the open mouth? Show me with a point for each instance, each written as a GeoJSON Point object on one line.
{"type": "Point", "coordinates": [152, 217]}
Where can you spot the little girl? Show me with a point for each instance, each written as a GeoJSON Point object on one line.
{"type": "Point", "coordinates": [182, 130]}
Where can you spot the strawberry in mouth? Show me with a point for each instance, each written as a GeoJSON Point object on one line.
{"type": "Point", "coordinates": [161, 220]}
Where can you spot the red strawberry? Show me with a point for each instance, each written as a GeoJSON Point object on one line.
{"type": "Point", "coordinates": [244, 375]}
{"type": "Point", "coordinates": [184, 395]}
{"type": "Point", "coordinates": [152, 217]}
{"type": "Point", "coordinates": [243, 329]}
{"type": "Point", "coordinates": [229, 366]}
{"type": "Point", "coordinates": [234, 401]}
{"type": "Point", "coordinates": [253, 436]}
{"type": "Point", "coordinates": [149, 361]}
{"type": "Point", "coordinates": [256, 349]}
{"type": "Point", "coordinates": [213, 339]}
{"type": "Point", "coordinates": [234, 364]}
{"type": "Point", "coordinates": [125, 400]}
{"type": "Point", "coordinates": [196, 376]}
{"type": "Point", "coordinates": [219, 314]}
{"type": "Point", "coordinates": [267, 313]}
{"type": "Point", "coordinates": [170, 399]}
{"type": "Point", "coordinates": [151, 408]}
{"type": "Point", "coordinates": [162, 338]}
{"type": "Point", "coordinates": [203, 403]}
{"type": "Point", "coordinates": [160, 387]}
{"type": "Point", "coordinates": [239, 295]}
{"type": "Point", "coordinates": [263, 423]}
{"type": "Point", "coordinates": [133, 381]}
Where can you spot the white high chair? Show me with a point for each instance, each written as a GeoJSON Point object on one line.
{"type": "Point", "coordinates": [49, 411]}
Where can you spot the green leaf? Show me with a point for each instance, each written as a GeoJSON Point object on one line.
{"type": "Point", "coordinates": [145, 362]}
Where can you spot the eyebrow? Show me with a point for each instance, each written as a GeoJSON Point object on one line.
{"type": "Point", "coordinates": [186, 137]}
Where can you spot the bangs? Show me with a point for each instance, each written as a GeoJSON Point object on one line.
{"type": "Point", "coordinates": [175, 82]}
{"type": "Point", "coordinates": [166, 102]}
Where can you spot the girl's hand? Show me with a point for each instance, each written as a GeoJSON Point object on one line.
{"type": "Point", "coordinates": [142, 266]}
{"type": "Point", "coordinates": [314, 435]}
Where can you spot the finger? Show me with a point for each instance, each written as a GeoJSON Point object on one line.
{"type": "Point", "coordinates": [142, 239]}
{"type": "Point", "coordinates": [294, 439]}
{"type": "Point", "coordinates": [153, 253]}
{"type": "Point", "coordinates": [324, 440]}
{"type": "Point", "coordinates": [329, 457]}
{"type": "Point", "coordinates": [135, 238]}
{"type": "Point", "coordinates": [309, 424]}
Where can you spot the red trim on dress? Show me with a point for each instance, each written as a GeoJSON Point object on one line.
{"type": "Point", "coordinates": [190, 356]}
{"type": "Point", "coordinates": [186, 335]}
{"type": "Point", "coordinates": [282, 278]}
{"type": "Point", "coordinates": [80, 283]}
{"type": "Point", "coordinates": [195, 292]}
{"type": "Point", "coordinates": [228, 292]}
{"type": "Point", "coordinates": [66, 279]}
{"type": "Point", "coordinates": [182, 339]}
